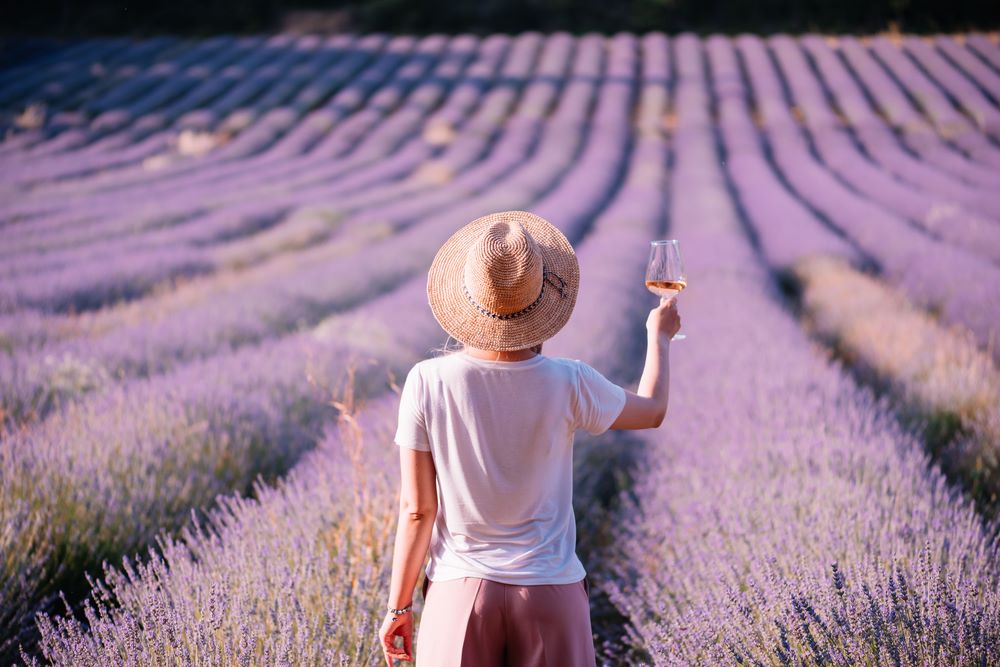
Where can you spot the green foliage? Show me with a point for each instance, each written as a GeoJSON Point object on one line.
{"type": "Point", "coordinates": [63, 17]}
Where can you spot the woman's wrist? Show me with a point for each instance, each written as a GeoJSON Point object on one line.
{"type": "Point", "coordinates": [657, 336]}
{"type": "Point", "coordinates": [400, 611]}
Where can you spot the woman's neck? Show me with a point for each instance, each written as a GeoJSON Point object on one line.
{"type": "Point", "coordinates": [503, 355]}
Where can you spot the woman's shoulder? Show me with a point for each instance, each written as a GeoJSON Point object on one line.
{"type": "Point", "coordinates": [580, 371]}
{"type": "Point", "coordinates": [568, 363]}
{"type": "Point", "coordinates": [437, 361]}
{"type": "Point", "coordinates": [568, 368]}
{"type": "Point", "coordinates": [435, 365]}
{"type": "Point", "coordinates": [565, 361]}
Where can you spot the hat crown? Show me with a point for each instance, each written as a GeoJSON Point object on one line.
{"type": "Point", "coordinates": [504, 268]}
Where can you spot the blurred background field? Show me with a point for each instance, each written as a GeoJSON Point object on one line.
{"type": "Point", "coordinates": [214, 238]}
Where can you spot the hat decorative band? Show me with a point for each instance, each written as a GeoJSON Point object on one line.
{"type": "Point", "coordinates": [548, 277]}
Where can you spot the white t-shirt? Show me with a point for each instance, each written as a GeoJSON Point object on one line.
{"type": "Point", "coordinates": [501, 436]}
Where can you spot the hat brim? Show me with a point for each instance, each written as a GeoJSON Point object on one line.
{"type": "Point", "coordinates": [463, 321]}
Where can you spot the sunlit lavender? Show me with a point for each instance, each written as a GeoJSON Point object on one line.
{"type": "Point", "coordinates": [213, 256]}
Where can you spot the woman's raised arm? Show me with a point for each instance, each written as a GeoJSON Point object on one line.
{"type": "Point", "coordinates": [647, 407]}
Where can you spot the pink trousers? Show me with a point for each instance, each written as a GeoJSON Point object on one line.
{"type": "Point", "coordinates": [473, 621]}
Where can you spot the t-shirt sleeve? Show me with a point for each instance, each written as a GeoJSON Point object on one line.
{"type": "Point", "coordinates": [411, 431]}
{"type": "Point", "coordinates": [599, 401]}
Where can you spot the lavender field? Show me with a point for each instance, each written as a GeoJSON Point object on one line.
{"type": "Point", "coordinates": [213, 259]}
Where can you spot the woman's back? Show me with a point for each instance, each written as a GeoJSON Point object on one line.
{"type": "Point", "coordinates": [501, 436]}
{"type": "Point", "coordinates": [486, 454]}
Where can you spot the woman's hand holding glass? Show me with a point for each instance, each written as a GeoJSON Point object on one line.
{"type": "Point", "coordinates": [664, 319]}
{"type": "Point", "coordinates": [665, 278]}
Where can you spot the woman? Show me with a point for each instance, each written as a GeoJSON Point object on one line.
{"type": "Point", "coordinates": [485, 437]}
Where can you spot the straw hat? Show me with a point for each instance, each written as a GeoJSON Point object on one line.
{"type": "Point", "coordinates": [505, 281]}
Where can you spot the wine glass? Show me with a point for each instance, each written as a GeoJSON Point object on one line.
{"type": "Point", "coordinates": [665, 272]}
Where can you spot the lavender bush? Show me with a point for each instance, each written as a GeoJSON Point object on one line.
{"type": "Point", "coordinates": [958, 284]}
{"type": "Point", "coordinates": [279, 375]}
{"type": "Point", "coordinates": [294, 576]}
{"type": "Point", "coordinates": [238, 527]}
{"type": "Point", "coordinates": [938, 372]}
{"type": "Point", "coordinates": [786, 531]}
{"type": "Point", "coordinates": [245, 223]}
{"type": "Point", "coordinates": [280, 296]}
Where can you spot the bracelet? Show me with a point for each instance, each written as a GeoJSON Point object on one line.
{"type": "Point", "coordinates": [397, 612]}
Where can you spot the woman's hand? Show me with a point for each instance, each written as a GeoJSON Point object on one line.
{"type": "Point", "coordinates": [664, 318]}
{"type": "Point", "coordinates": [401, 627]}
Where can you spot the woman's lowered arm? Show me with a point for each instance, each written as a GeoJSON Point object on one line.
{"type": "Point", "coordinates": [417, 511]}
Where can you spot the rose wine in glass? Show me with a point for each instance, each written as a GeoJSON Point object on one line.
{"type": "Point", "coordinates": [665, 272]}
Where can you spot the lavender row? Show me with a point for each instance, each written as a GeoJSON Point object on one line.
{"type": "Point", "coordinates": [322, 50]}
{"type": "Point", "coordinates": [937, 373]}
{"type": "Point", "coordinates": [916, 132]}
{"type": "Point", "coordinates": [944, 218]}
{"type": "Point", "coordinates": [120, 114]}
{"type": "Point", "coordinates": [215, 391]}
{"type": "Point", "coordinates": [189, 237]}
{"type": "Point", "coordinates": [186, 263]}
{"type": "Point", "coordinates": [282, 46]}
{"type": "Point", "coordinates": [370, 54]}
{"type": "Point", "coordinates": [938, 276]}
{"type": "Point", "coordinates": [276, 302]}
{"type": "Point", "coordinates": [72, 64]}
{"type": "Point", "coordinates": [956, 85]}
{"type": "Point", "coordinates": [158, 448]}
{"type": "Point", "coordinates": [187, 211]}
{"type": "Point", "coordinates": [299, 131]}
{"type": "Point", "coordinates": [201, 228]}
{"type": "Point", "coordinates": [469, 147]}
{"type": "Point", "coordinates": [880, 142]}
{"type": "Point", "coordinates": [200, 596]}
{"type": "Point", "coordinates": [950, 122]}
{"type": "Point", "coordinates": [219, 112]}
{"type": "Point", "coordinates": [117, 205]}
{"type": "Point", "coordinates": [788, 531]}
{"type": "Point", "coordinates": [227, 253]}
{"type": "Point", "coordinates": [373, 54]}
{"type": "Point", "coordinates": [985, 49]}
{"type": "Point", "coordinates": [253, 529]}
{"type": "Point", "coordinates": [979, 73]}
{"type": "Point", "coordinates": [786, 230]}
{"type": "Point", "coordinates": [67, 129]}
{"type": "Point", "coordinates": [313, 134]}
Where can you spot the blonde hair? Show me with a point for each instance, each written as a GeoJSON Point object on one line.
{"type": "Point", "coordinates": [448, 347]}
{"type": "Point", "coordinates": [453, 346]}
